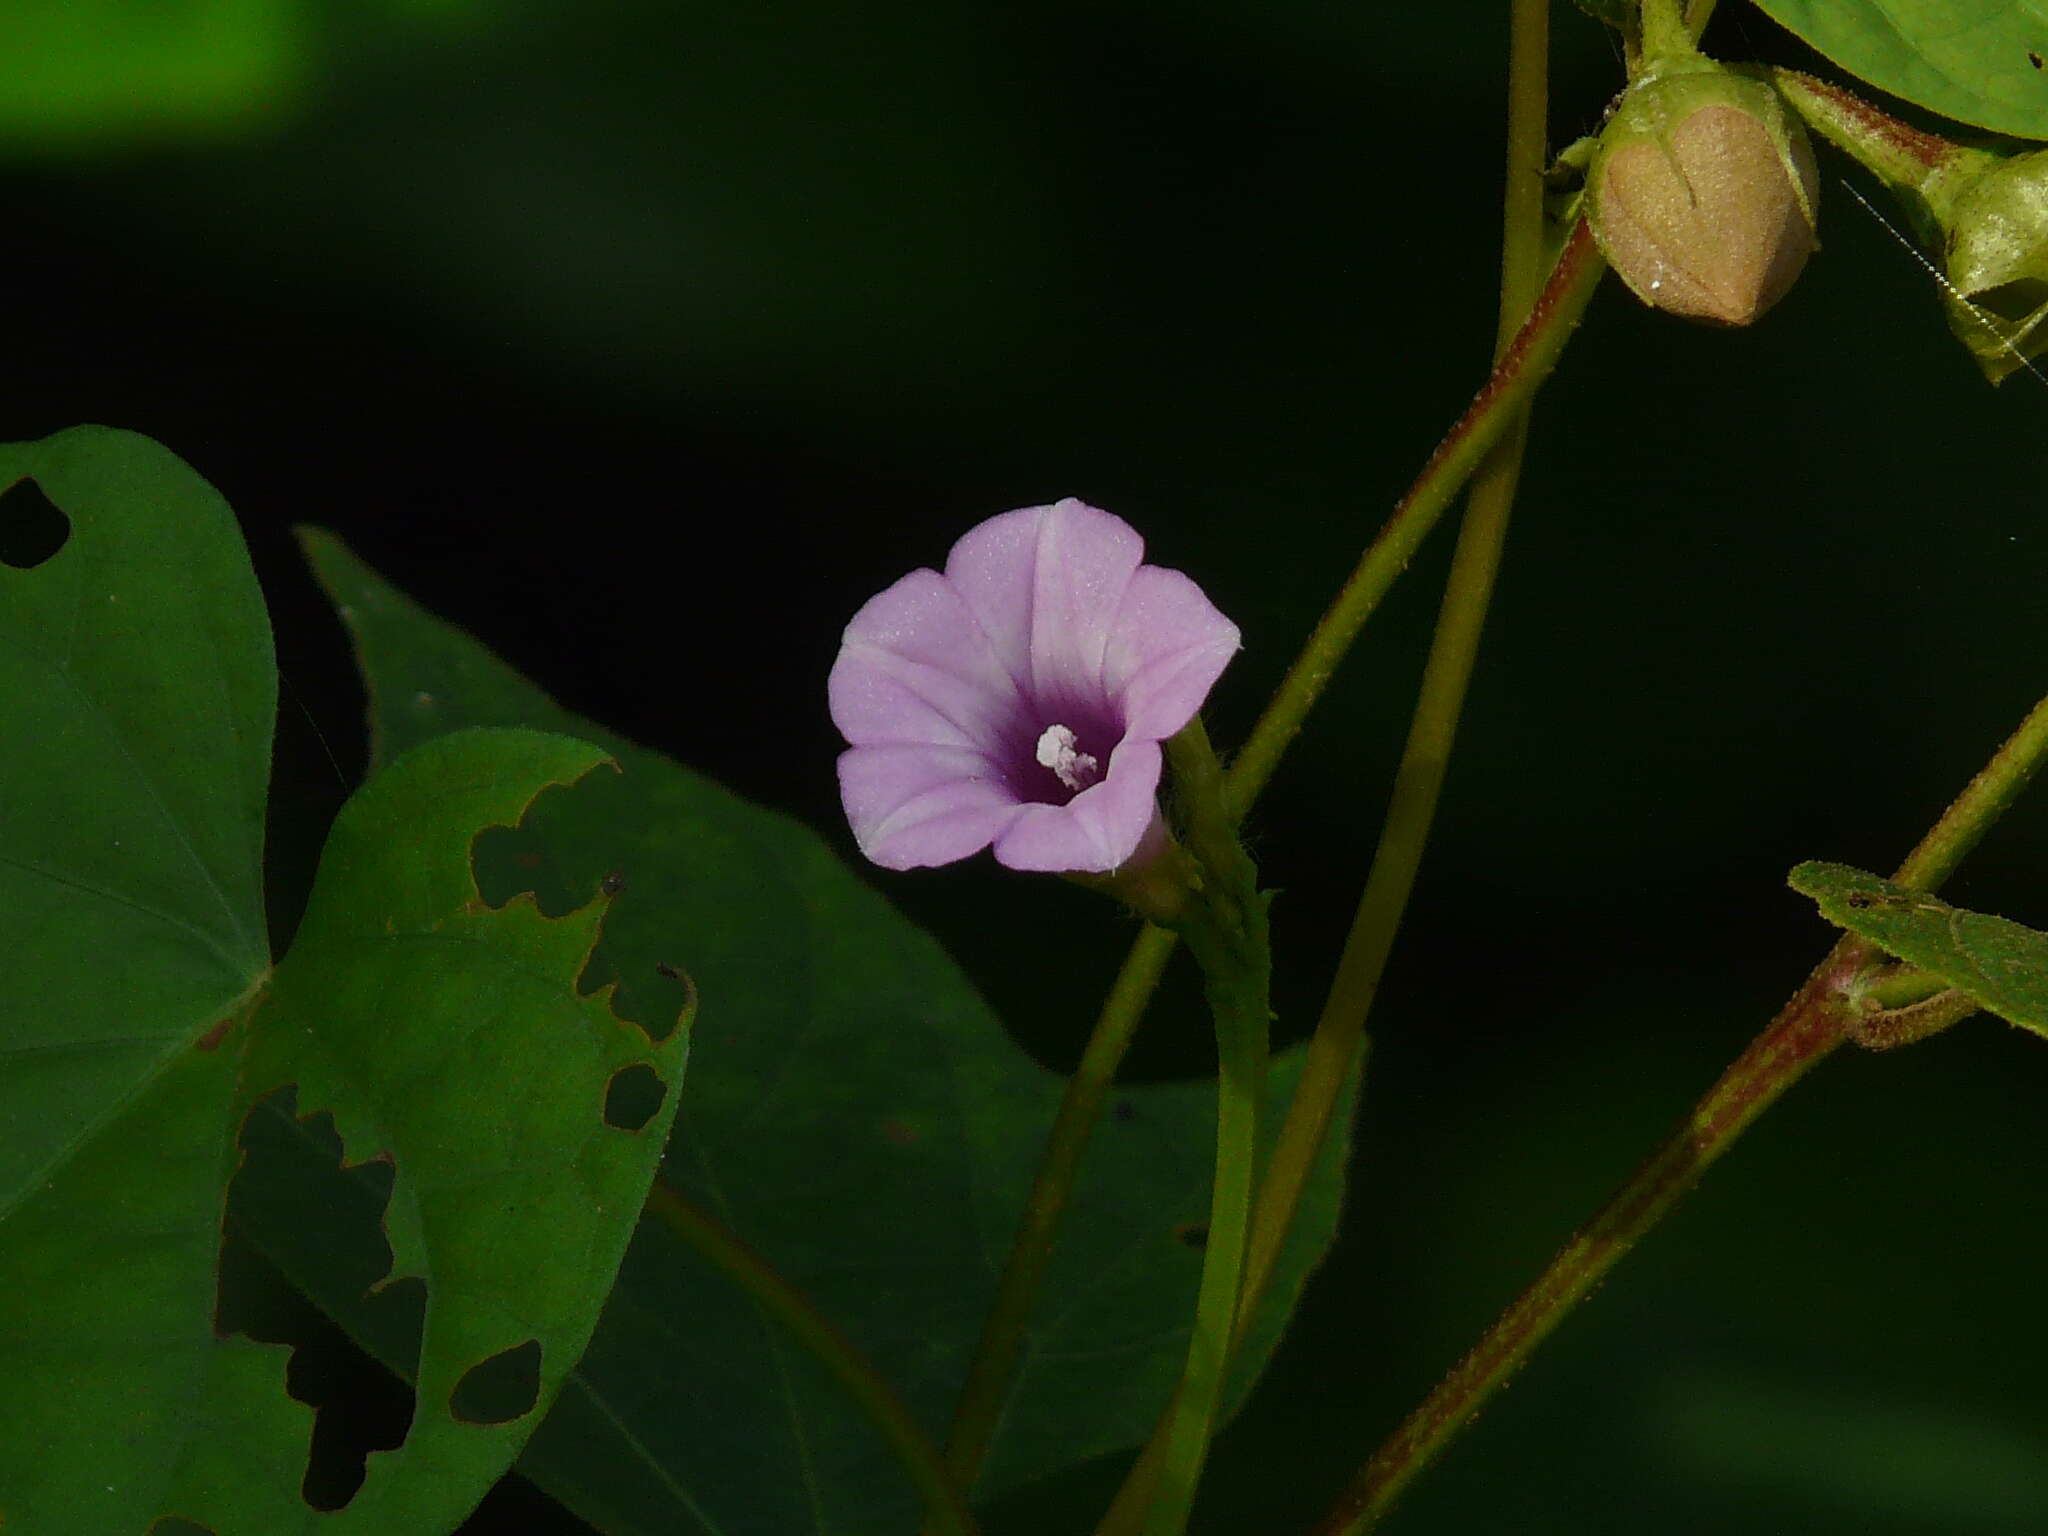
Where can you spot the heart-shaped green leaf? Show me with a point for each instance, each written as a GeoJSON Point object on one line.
{"type": "Point", "coordinates": [137, 687]}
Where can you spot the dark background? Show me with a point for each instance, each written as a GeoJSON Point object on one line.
{"type": "Point", "coordinates": [647, 341]}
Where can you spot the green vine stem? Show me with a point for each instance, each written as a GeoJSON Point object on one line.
{"type": "Point", "coordinates": [1898, 986]}
{"type": "Point", "coordinates": [1664, 29]}
{"type": "Point", "coordinates": [1976, 810]}
{"type": "Point", "coordinates": [1236, 974]}
{"type": "Point", "coordinates": [1888, 1028]}
{"type": "Point", "coordinates": [1516, 376]}
{"type": "Point", "coordinates": [1812, 1024]}
{"type": "Point", "coordinates": [1527, 362]}
{"type": "Point", "coordinates": [1002, 1335]}
{"type": "Point", "coordinates": [1432, 731]}
{"type": "Point", "coordinates": [1226, 932]}
{"type": "Point", "coordinates": [946, 1508]}
{"type": "Point", "coordinates": [1337, 1045]}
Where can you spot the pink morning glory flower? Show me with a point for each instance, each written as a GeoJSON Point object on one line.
{"type": "Point", "coordinates": [1018, 699]}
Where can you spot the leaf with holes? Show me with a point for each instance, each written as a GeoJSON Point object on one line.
{"type": "Point", "coordinates": [444, 1037]}
{"type": "Point", "coordinates": [1977, 61]}
{"type": "Point", "coordinates": [2000, 964]}
{"type": "Point", "coordinates": [449, 1037]}
{"type": "Point", "coordinates": [856, 1114]}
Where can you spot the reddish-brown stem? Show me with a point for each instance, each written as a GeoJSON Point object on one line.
{"type": "Point", "coordinates": [1812, 1024]}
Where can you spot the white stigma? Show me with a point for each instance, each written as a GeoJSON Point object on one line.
{"type": "Point", "coordinates": [1058, 751]}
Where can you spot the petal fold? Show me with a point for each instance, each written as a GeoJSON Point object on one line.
{"type": "Point", "coordinates": [915, 668]}
{"type": "Point", "coordinates": [1168, 645]}
{"type": "Point", "coordinates": [1045, 584]}
{"type": "Point", "coordinates": [911, 807]}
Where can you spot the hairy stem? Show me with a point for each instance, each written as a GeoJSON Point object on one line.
{"type": "Point", "coordinates": [1811, 1024]}
{"type": "Point", "coordinates": [1338, 1043]}
{"type": "Point", "coordinates": [1236, 975]}
{"type": "Point", "coordinates": [1227, 934]}
{"type": "Point", "coordinates": [1977, 809]}
{"type": "Point", "coordinates": [1425, 758]}
{"type": "Point", "coordinates": [1521, 369]}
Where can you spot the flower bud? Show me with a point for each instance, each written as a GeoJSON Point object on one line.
{"type": "Point", "coordinates": [1997, 260]}
{"type": "Point", "coordinates": [1982, 214]}
{"type": "Point", "coordinates": [1702, 193]}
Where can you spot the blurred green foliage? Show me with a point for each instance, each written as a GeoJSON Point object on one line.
{"type": "Point", "coordinates": [85, 73]}
{"type": "Point", "coordinates": [87, 76]}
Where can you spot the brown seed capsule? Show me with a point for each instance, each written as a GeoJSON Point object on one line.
{"type": "Point", "coordinates": [1702, 194]}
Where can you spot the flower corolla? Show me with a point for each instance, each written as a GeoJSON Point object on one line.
{"type": "Point", "coordinates": [1018, 698]}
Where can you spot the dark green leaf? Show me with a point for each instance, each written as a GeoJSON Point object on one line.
{"type": "Point", "coordinates": [1977, 61]}
{"type": "Point", "coordinates": [137, 687]}
{"type": "Point", "coordinates": [856, 1114]}
{"type": "Point", "coordinates": [2000, 964]}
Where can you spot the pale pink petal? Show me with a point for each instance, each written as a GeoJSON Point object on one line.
{"type": "Point", "coordinates": [1099, 828]}
{"type": "Point", "coordinates": [916, 806]}
{"type": "Point", "coordinates": [915, 667]}
{"type": "Point", "coordinates": [1045, 584]}
{"type": "Point", "coordinates": [1044, 628]}
{"type": "Point", "coordinates": [1167, 647]}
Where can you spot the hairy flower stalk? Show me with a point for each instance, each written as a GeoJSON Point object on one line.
{"type": "Point", "coordinates": [1018, 699]}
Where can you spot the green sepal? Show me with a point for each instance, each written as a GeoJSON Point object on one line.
{"type": "Point", "coordinates": [1703, 192]}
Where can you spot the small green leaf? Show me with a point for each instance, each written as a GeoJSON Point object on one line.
{"type": "Point", "coordinates": [857, 1116]}
{"type": "Point", "coordinates": [1977, 61]}
{"type": "Point", "coordinates": [2000, 964]}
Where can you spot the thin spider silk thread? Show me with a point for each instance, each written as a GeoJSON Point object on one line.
{"type": "Point", "coordinates": [1941, 277]}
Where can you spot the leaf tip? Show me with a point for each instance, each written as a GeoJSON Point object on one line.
{"type": "Point", "coordinates": [1806, 877]}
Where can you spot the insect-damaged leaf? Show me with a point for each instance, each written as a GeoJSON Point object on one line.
{"type": "Point", "coordinates": [858, 1116]}
{"type": "Point", "coordinates": [143, 1017]}
{"type": "Point", "coordinates": [450, 1037]}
